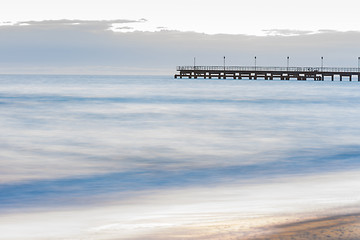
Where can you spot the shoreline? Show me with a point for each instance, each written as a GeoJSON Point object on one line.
{"type": "Point", "coordinates": [341, 226]}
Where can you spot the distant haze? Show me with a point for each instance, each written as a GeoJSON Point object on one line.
{"type": "Point", "coordinates": [90, 47]}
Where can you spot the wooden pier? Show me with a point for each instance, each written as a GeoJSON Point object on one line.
{"type": "Point", "coordinates": [268, 73]}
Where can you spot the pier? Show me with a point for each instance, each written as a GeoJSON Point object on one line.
{"type": "Point", "coordinates": [268, 73]}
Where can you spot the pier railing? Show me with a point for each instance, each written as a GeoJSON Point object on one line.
{"type": "Point", "coordinates": [268, 69]}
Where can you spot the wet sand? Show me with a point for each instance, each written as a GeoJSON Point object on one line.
{"type": "Point", "coordinates": [336, 227]}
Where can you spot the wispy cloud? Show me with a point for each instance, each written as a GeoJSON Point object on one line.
{"type": "Point", "coordinates": [65, 22]}
{"type": "Point", "coordinates": [286, 32]}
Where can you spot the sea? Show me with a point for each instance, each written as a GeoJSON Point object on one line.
{"type": "Point", "coordinates": [152, 157]}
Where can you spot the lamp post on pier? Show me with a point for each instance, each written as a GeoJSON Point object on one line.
{"type": "Point", "coordinates": [255, 63]}
{"type": "Point", "coordinates": [287, 63]}
{"type": "Point", "coordinates": [224, 62]}
{"type": "Point", "coordinates": [322, 63]}
{"type": "Point", "coordinates": [194, 62]}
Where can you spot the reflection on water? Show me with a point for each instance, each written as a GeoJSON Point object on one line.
{"type": "Point", "coordinates": [70, 142]}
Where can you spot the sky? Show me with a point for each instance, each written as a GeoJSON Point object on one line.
{"type": "Point", "coordinates": [139, 36]}
{"type": "Point", "coordinates": [228, 16]}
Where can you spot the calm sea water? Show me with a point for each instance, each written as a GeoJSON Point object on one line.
{"type": "Point", "coordinates": [204, 149]}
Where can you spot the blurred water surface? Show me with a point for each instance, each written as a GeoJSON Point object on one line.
{"type": "Point", "coordinates": [70, 141]}
{"type": "Point", "coordinates": [92, 134]}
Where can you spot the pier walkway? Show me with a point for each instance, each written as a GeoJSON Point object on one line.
{"type": "Point", "coordinates": [268, 73]}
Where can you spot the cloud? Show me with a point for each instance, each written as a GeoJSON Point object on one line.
{"type": "Point", "coordinates": [92, 25]}
{"type": "Point", "coordinates": [56, 23]}
{"type": "Point", "coordinates": [285, 32]}
{"type": "Point", "coordinates": [327, 31]}
{"type": "Point", "coordinates": [125, 28]}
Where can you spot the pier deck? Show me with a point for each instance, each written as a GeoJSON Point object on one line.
{"type": "Point", "coordinates": [268, 73]}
